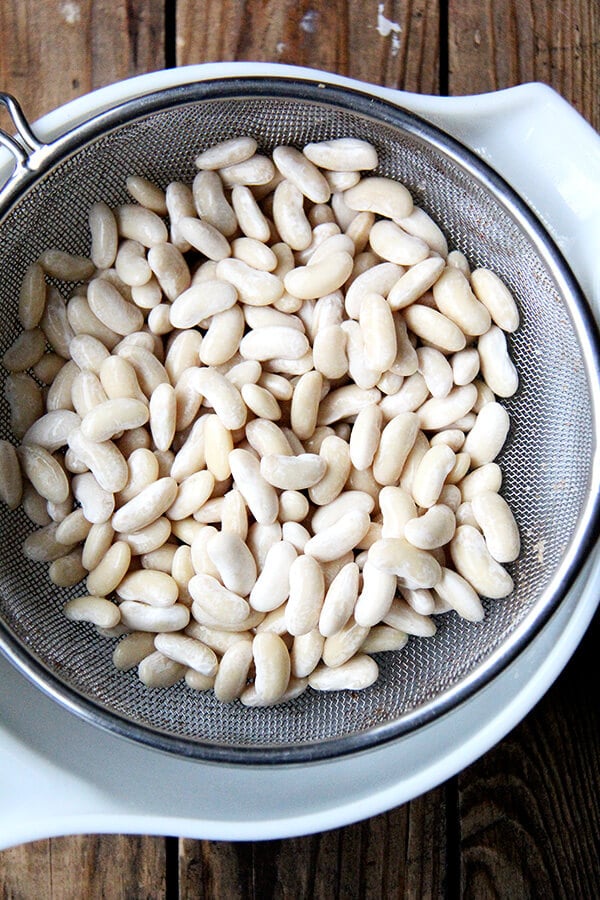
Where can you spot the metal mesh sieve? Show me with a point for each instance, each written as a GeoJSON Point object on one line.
{"type": "Point", "coordinates": [550, 476]}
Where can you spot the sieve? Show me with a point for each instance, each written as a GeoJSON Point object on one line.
{"type": "Point", "coordinates": [550, 462]}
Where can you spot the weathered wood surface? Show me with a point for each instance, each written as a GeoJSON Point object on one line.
{"type": "Point", "coordinates": [524, 821]}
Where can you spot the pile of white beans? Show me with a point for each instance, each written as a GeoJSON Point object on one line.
{"type": "Point", "coordinates": [263, 426]}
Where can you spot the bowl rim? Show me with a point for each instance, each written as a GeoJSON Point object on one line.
{"type": "Point", "coordinates": [48, 156]}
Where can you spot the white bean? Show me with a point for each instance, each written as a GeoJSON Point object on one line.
{"type": "Point", "coordinates": [25, 351]}
{"type": "Point", "coordinates": [497, 522]}
{"type": "Point", "coordinates": [104, 578]}
{"type": "Point", "coordinates": [132, 650]}
{"type": "Point", "coordinates": [251, 218]}
{"type": "Point", "coordinates": [147, 506]}
{"type": "Point", "coordinates": [289, 217]}
{"type": "Point", "coordinates": [32, 296]}
{"type": "Point", "coordinates": [232, 675]}
{"type": "Point", "coordinates": [234, 562]}
{"type": "Point", "coordinates": [260, 496]}
{"type": "Point", "coordinates": [497, 368]}
{"type": "Point", "coordinates": [297, 167]}
{"type": "Point", "coordinates": [433, 529]}
{"type": "Point", "coordinates": [422, 225]}
{"type": "Point", "coordinates": [66, 266]}
{"type": "Point", "coordinates": [225, 607]}
{"type": "Point", "coordinates": [320, 278]}
{"type": "Point", "coordinates": [97, 610]}
{"type": "Point", "coordinates": [405, 618]}
{"type": "Point", "coordinates": [485, 440]}
{"type": "Point", "coordinates": [441, 412]}
{"type": "Point", "coordinates": [337, 539]}
{"type": "Point", "coordinates": [375, 599]}
{"type": "Point", "coordinates": [188, 652]}
{"type": "Point", "coordinates": [157, 670]}
{"type": "Point", "coordinates": [434, 327]}
{"type": "Point", "coordinates": [392, 243]}
{"type": "Point", "coordinates": [396, 442]}
{"type": "Point", "coordinates": [455, 299]}
{"type": "Point", "coordinates": [140, 224]}
{"type": "Point", "coordinates": [111, 417]}
{"type": "Point", "coordinates": [272, 665]}
{"type": "Point", "coordinates": [44, 472]}
{"type": "Point", "coordinates": [226, 153]}
{"type": "Point", "coordinates": [112, 308]}
{"type": "Point", "coordinates": [396, 556]}
{"type": "Point", "coordinates": [192, 493]}
{"type": "Point", "coordinates": [292, 472]}
{"type": "Point", "coordinates": [146, 193]}
{"type": "Point", "coordinates": [431, 474]}
{"type": "Point", "coordinates": [493, 293]}
{"type": "Point", "coordinates": [307, 591]}
{"type": "Point", "coordinates": [157, 619]}
{"type": "Point", "coordinates": [358, 673]}
{"type": "Point", "coordinates": [342, 154]}
{"type": "Point", "coordinates": [383, 196]}
{"type": "Point", "coordinates": [436, 370]}
{"type": "Point", "coordinates": [131, 264]}
{"type": "Point", "coordinates": [474, 562]}
{"type": "Point", "coordinates": [11, 482]}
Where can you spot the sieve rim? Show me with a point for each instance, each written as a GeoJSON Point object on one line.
{"type": "Point", "coordinates": [48, 156]}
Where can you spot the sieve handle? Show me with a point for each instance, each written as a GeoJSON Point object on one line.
{"type": "Point", "coordinates": [25, 143]}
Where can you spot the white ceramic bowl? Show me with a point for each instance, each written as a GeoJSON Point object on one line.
{"type": "Point", "coordinates": [60, 775]}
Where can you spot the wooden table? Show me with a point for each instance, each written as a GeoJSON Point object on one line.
{"type": "Point", "coordinates": [523, 821]}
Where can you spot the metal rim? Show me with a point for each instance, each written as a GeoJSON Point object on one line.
{"type": "Point", "coordinates": [49, 156]}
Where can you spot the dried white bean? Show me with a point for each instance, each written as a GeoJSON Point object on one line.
{"type": "Point", "coordinates": [493, 293]}
{"type": "Point", "coordinates": [11, 482]}
{"type": "Point", "coordinates": [157, 619]}
{"type": "Point", "coordinates": [260, 496]}
{"type": "Point", "coordinates": [455, 299]}
{"type": "Point", "coordinates": [497, 522]}
{"type": "Point", "coordinates": [433, 529]}
{"type": "Point", "coordinates": [358, 673]}
{"type": "Point", "coordinates": [485, 440]}
{"type": "Point", "coordinates": [104, 578]}
{"type": "Point", "coordinates": [380, 195]}
{"type": "Point", "coordinates": [32, 296]}
{"type": "Point", "coordinates": [306, 594]}
{"type": "Point", "coordinates": [140, 224]}
{"type": "Point", "coordinates": [497, 368]}
{"type": "Point", "coordinates": [320, 278]}
{"type": "Point", "coordinates": [289, 217]}
{"type": "Point", "coordinates": [337, 539]}
{"type": "Point", "coordinates": [434, 327]}
{"type": "Point", "coordinates": [96, 610]}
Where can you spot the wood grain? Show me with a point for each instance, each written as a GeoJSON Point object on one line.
{"type": "Point", "coordinates": [495, 45]}
{"type": "Point", "coordinates": [530, 809]}
{"type": "Point", "coordinates": [338, 37]}
{"type": "Point", "coordinates": [397, 854]}
{"type": "Point", "coordinates": [54, 51]}
{"type": "Point", "coordinates": [107, 867]}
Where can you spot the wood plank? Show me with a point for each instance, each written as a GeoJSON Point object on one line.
{"type": "Point", "coordinates": [530, 808]}
{"type": "Point", "coordinates": [108, 867]}
{"type": "Point", "coordinates": [495, 45]}
{"type": "Point", "coordinates": [396, 854]}
{"type": "Point", "coordinates": [54, 51]}
{"type": "Point", "coordinates": [339, 37]}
